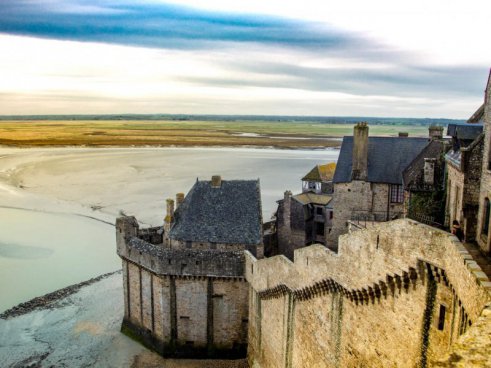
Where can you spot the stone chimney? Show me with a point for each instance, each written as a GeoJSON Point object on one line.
{"type": "Point", "coordinates": [216, 181]}
{"type": "Point", "coordinates": [287, 204]}
{"type": "Point", "coordinates": [435, 132]}
{"type": "Point", "coordinates": [179, 199]}
{"type": "Point", "coordinates": [359, 170]}
{"type": "Point", "coordinates": [169, 217]}
{"type": "Point", "coordinates": [403, 134]}
{"type": "Point", "coordinates": [429, 171]}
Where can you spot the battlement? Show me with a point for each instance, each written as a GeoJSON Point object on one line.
{"type": "Point", "coordinates": [154, 235]}
{"type": "Point", "coordinates": [178, 262]}
{"type": "Point", "coordinates": [397, 294]}
{"type": "Point", "coordinates": [367, 256]}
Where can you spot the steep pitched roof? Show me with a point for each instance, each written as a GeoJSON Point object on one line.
{"type": "Point", "coordinates": [387, 158]}
{"type": "Point", "coordinates": [464, 131]}
{"type": "Point", "coordinates": [230, 213]}
{"type": "Point", "coordinates": [321, 173]}
{"type": "Point", "coordinates": [478, 116]}
{"type": "Point", "coordinates": [413, 174]}
{"type": "Point", "coordinates": [308, 198]}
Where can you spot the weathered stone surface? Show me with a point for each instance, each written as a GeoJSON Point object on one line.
{"type": "Point", "coordinates": [398, 294]}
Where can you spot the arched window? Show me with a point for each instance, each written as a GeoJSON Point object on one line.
{"type": "Point", "coordinates": [487, 211]}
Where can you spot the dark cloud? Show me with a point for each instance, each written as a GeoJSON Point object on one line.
{"type": "Point", "coordinates": [401, 81]}
{"type": "Point", "coordinates": [157, 25]}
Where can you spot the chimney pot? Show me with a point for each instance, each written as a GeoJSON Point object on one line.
{"type": "Point", "coordinates": [169, 217]}
{"type": "Point", "coordinates": [216, 181]}
{"type": "Point", "coordinates": [435, 132]}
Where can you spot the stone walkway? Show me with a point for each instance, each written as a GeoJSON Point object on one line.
{"type": "Point", "coordinates": [482, 260]}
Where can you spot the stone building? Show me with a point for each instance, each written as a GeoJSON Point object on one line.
{"type": "Point", "coordinates": [464, 164]}
{"type": "Point", "coordinates": [301, 220]}
{"type": "Point", "coordinates": [184, 287]}
{"type": "Point", "coordinates": [483, 229]}
{"type": "Point", "coordinates": [368, 179]}
{"type": "Point", "coordinates": [319, 179]}
{"type": "Point", "coordinates": [424, 182]}
{"type": "Point", "coordinates": [305, 218]}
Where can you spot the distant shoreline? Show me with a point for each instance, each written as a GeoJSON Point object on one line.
{"type": "Point", "coordinates": [171, 133]}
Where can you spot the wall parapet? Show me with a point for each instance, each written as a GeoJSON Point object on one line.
{"type": "Point", "coordinates": [178, 262]}
{"type": "Point", "coordinates": [392, 284]}
{"type": "Point", "coordinates": [367, 256]}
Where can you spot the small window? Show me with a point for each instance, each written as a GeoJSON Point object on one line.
{"type": "Point", "coordinates": [441, 318]}
{"type": "Point", "coordinates": [396, 193]}
{"type": "Point", "coordinates": [319, 210]}
{"type": "Point", "coordinates": [489, 157]}
{"type": "Point", "coordinates": [319, 228]}
{"type": "Point", "coordinates": [331, 215]}
{"type": "Point", "coordinates": [487, 210]}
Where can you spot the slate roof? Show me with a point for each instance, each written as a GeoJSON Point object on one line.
{"type": "Point", "coordinates": [307, 198]}
{"type": "Point", "coordinates": [387, 158]}
{"type": "Point", "coordinates": [321, 173]}
{"type": "Point", "coordinates": [228, 214]}
{"type": "Point", "coordinates": [413, 174]}
{"type": "Point", "coordinates": [464, 131]}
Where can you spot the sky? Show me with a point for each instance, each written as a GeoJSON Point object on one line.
{"type": "Point", "coordinates": [382, 58]}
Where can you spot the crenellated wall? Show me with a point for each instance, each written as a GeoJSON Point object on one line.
{"type": "Point", "coordinates": [398, 294]}
{"type": "Point", "coordinates": [182, 302]}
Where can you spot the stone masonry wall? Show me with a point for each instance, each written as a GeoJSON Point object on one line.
{"type": "Point", "coordinates": [359, 197]}
{"type": "Point", "coordinates": [187, 316]}
{"type": "Point", "coordinates": [183, 302]}
{"type": "Point", "coordinates": [377, 302]}
{"type": "Point", "coordinates": [455, 193]}
{"type": "Point", "coordinates": [463, 188]}
{"type": "Point", "coordinates": [290, 226]}
{"type": "Point", "coordinates": [485, 191]}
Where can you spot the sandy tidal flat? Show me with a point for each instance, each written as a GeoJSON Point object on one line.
{"type": "Point", "coordinates": [58, 205]}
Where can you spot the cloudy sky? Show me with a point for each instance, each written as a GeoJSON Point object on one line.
{"type": "Point", "coordinates": [413, 58]}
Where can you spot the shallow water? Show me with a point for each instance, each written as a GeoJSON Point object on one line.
{"type": "Point", "coordinates": [41, 252]}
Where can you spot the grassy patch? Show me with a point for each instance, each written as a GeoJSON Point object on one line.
{"type": "Point", "coordinates": [186, 133]}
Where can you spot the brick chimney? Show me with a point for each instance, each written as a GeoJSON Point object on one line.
{"type": "Point", "coordinates": [216, 181]}
{"type": "Point", "coordinates": [435, 132]}
{"type": "Point", "coordinates": [179, 199]}
{"type": "Point", "coordinates": [359, 170]}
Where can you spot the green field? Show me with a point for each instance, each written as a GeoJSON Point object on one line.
{"type": "Point", "coordinates": [186, 133]}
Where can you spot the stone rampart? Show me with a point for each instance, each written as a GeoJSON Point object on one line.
{"type": "Point", "coordinates": [398, 294]}
{"type": "Point", "coordinates": [189, 262]}
{"type": "Point", "coordinates": [182, 302]}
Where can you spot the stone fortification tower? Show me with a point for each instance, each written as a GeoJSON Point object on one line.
{"type": "Point", "coordinates": [184, 289]}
